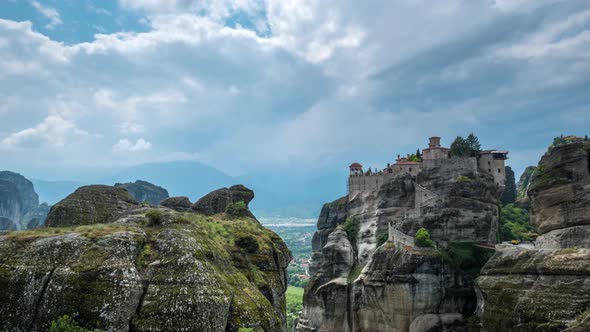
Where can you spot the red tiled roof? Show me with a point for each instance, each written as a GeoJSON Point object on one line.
{"type": "Point", "coordinates": [356, 165]}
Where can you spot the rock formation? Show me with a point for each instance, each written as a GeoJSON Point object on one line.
{"type": "Point", "coordinates": [91, 205]}
{"type": "Point", "coordinates": [547, 287]}
{"type": "Point", "coordinates": [522, 199]}
{"type": "Point", "coordinates": [180, 204]}
{"type": "Point", "coordinates": [115, 272]}
{"type": "Point", "coordinates": [144, 191]}
{"type": "Point", "coordinates": [357, 286]}
{"type": "Point", "coordinates": [218, 200]}
{"type": "Point", "coordinates": [19, 203]}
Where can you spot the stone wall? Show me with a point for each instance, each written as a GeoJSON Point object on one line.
{"type": "Point", "coordinates": [400, 239]}
{"type": "Point", "coordinates": [367, 183]}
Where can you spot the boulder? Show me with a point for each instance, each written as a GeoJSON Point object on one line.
{"type": "Point", "coordinates": [217, 201]}
{"type": "Point", "coordinates": [95, 204]}
{"type": "Point", "coordinates": [180, 204]}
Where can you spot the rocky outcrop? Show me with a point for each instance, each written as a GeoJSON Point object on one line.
{"type": "Point", "coordinates": [37, 217]}
{"type": "Point", "coordinates": [545, 287]}
{"type": "Point", "coordinates": [144, 191]}
{"type": "Point", "coordinates": [218, 200]}
{"type": "Point", "coordinates": [91, 205]}
{"type": "Point", "coordinates": [29, 198]}
{"type": "Point", "coordinates": [535, 290]}
{"type": "Point", "coordinates": [18, 201]}
{"type": "Point", "coordinates": [401, 288]}
{"type": "Point", "coordinates": [522, 200]}
{"type": "Point", "coordinates": [560, 188]}
{"type": "Point", "coordinates": [179, 204]}
{"type": "Point", "coordinates": [182, 275]}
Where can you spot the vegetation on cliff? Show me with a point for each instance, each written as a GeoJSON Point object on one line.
{"type": "Point", "coordinates": [294, 298]}
{"type": "Point", "coordinates": [465, 147]}
{"type": "Point", "coordinates": [149, 269]}
{"type": "Point", "coordinates": [515, 224]}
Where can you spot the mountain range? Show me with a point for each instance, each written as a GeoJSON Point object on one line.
{"type": "Point", "coordinates": [283, 192]}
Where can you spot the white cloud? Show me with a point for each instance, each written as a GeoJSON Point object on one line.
{"type": "Point", "coordinates": [54, 131]}
{"type": "Point", "coordinates": [49, 13]}
{"type": "Point", "coordinates": [132, 128]}
{"type": "Point", "coordinates": [311, 81]}
{"type": "Point", "coordinates": [125, 145]}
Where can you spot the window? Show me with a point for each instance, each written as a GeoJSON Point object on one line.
{"type": "Point", "coordinates": [499, 170]}
{"type": "Point", "coordinates": [490, 170]}
{"type": "Point", "coordinates": [489, 162]}
{"type": "Point", "coordinates": [410, 169]}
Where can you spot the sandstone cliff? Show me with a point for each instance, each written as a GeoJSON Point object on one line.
{"type": "Point", "coordinates": [546, 287]}
{"type": "Point", "coordinates": [118, 266]}
{"type": "Point", "coordinates": [144, 191]}
{"type": "Point", "coordinates": [356, 286]}
{"type": "Point", "coordinates": [19, 203]}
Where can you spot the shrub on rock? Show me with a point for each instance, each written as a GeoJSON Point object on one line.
{"type": "Point", "coordinates": [154, 218]}
{"type": "Point", "coordinates": [248, 243]}
{"type": "Point", "coordinates": [237, 209]}
{"type": "Point", "coordinates": [423, 238]}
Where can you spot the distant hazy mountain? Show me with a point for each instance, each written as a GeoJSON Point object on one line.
{"type": "Point", "coordinates": [180, 178]}
{"type": "Point", "coordinates": [286, 193]}
{"type": "Point", "coordinates": [144, 191]}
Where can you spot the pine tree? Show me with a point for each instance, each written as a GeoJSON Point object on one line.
{"type": "Point", "coordinates": [460, 148]}
{"type": "Point", "coordinates": [474, 145]}
{"type": "Point", "coordinates": [418, 154]}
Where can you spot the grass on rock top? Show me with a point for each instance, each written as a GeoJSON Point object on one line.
{"type": "Point", "coordinates": [246, 271]}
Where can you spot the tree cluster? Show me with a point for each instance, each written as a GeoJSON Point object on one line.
{"type": "Point", "coordinates": [466, 147]}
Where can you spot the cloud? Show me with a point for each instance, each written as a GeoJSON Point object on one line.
{"type": "Point", "coordinates": [125, 145]}
{"type": "Point", "coordinates": [253, 85]}
{"type": "Point", "coordinates": [132, 128]}
{"type": "Point", "coordinates": [49, 13]}
{"type": "Point", "coordinates": [54, 131]}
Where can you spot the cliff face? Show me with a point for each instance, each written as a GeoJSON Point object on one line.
{"type": "Point", "coordinates": [18, 201]}
{"type": "Point", "coordinates": [144, 191]}
{"type": "Point", "coordinates": [546, 287]}
{"type": "Point", "coordinates": [356, 286]}
{"type": "Point", "coordinates": [132, 268]}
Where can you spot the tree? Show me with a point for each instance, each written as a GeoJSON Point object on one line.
{"type": "Point", "coordinates": [515, 224]}
{"type": "Point", "coordinates": [423, 238]}
{"type": "Point", "coordinates": [460, 148]}
{"type": "Point", "coordinates": [474, 145]}
{"type": "Point", "coordinates": [509, 194]}
{"type": "Point", "coordinates": [419, 154]}
{"type": "Point", "coordinates": [352, 228]}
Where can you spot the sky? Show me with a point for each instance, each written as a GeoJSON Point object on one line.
{"type": "Point", "coordinates": [252, 86]}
